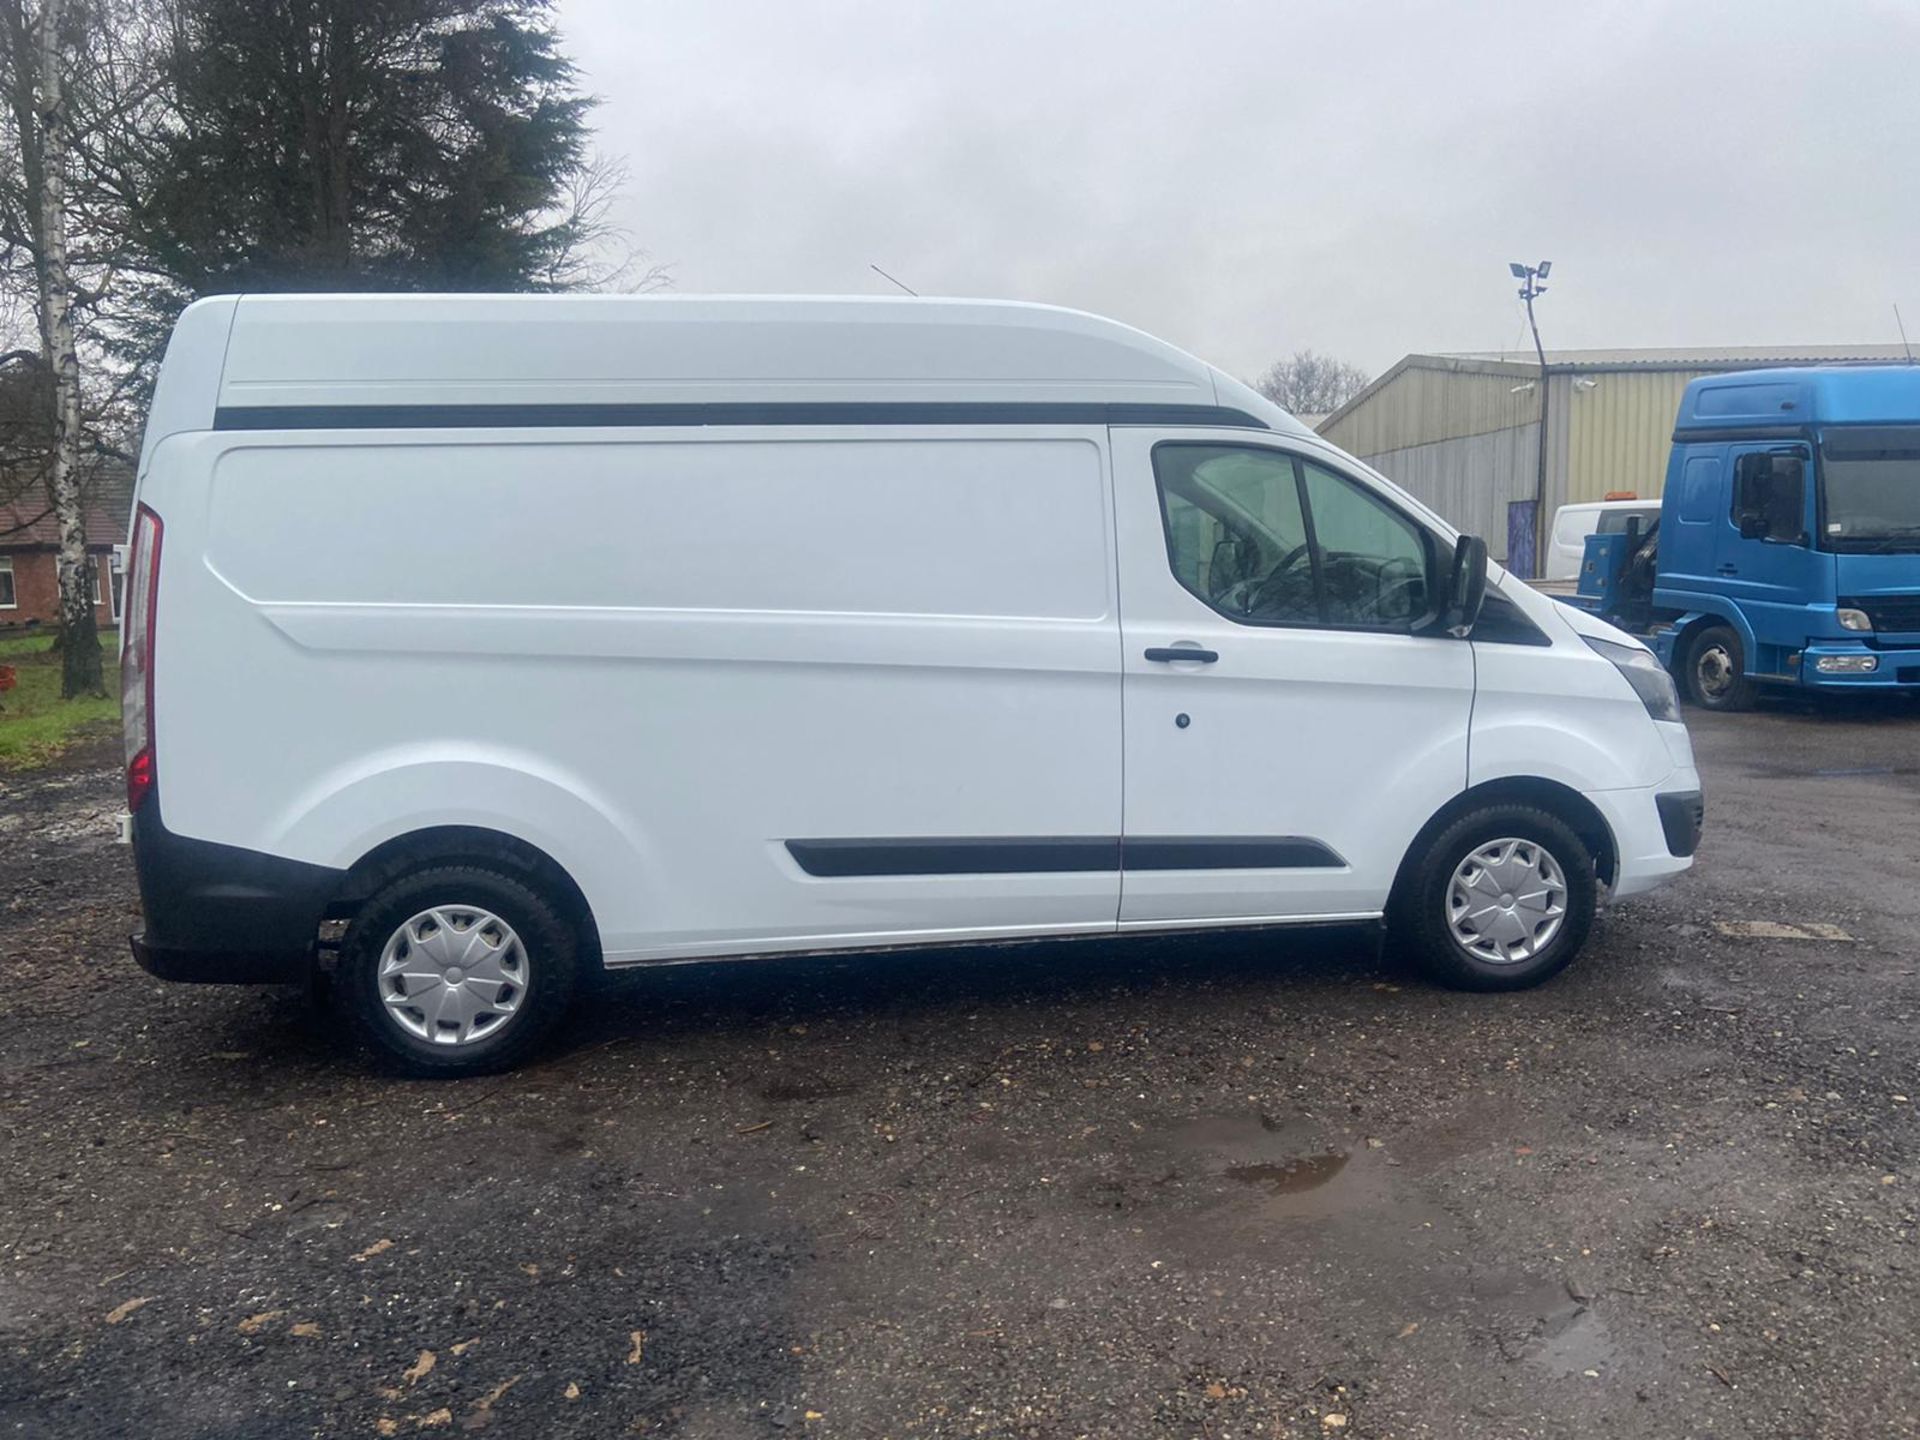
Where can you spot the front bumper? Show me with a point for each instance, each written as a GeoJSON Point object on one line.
{"type": "Point", "coordinates": [220, 914]}
{"type": "Point", "coordinates": [1656, 830]}
{"type": "Point", "coordinates": [1683, 813]}
{"type": "Point", "coordinates": [1894, 668]}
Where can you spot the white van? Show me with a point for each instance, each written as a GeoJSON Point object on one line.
{"type": "Point", "coordinates": [533, 636]}
{"type": "Point", "coordinates": [1572, 524]}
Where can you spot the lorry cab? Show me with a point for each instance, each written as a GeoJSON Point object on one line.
{"type": "Point", "coordinates": [1788, 549]}
{"type": "Point", "coordinates": [531, 637]}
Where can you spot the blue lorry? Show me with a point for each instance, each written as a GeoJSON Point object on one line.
{"type": "Point", "coordinates": [1787, 551]}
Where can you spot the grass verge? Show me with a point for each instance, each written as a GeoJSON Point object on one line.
{"type": "Point", "coordinates": [36, 725]}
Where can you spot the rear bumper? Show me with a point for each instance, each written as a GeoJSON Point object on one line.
{"type": "Point", "coordinates": [220, 914]}
{"type": "Point", "coordinates": [1655, 830]}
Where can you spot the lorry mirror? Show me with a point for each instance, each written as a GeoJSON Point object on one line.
{"type": "Point", "coordinates": [1466, 586]}
{"type": "Point", "coordinates": [1753, 525]}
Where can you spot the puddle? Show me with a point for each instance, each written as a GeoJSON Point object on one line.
{"type": "Point", "coordinates": [802, 1088]}
{"type": "Point", "coordinates": [1568, 1338]}
{"type": "Point", "coordinates": [1290, 1177]}
{"type": "Point", "coordinates": [1580, 1345]}
{"type": "Point", "coordinates": [1293, 1166]}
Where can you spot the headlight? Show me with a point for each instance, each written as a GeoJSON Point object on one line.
{"type": "Point", "coordinates": [1649, 681]}
{"type": "Point", "coordinates": [1853, 619]}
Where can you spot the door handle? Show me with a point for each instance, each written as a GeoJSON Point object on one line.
{"type": "Point", "coordinates": [1182, 652]}
{"type": "Point", "coordinates": [1729, 569]}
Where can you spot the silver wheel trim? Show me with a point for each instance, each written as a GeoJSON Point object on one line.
{"type": "Point", "coordinates": [1713, 669]}
{"type": "Point", "coordinates": [453, 975]}
{"type": "Point", "coordinates": [1506, 901]}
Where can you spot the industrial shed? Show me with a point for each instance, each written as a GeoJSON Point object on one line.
{"type": "Point", "coordinates": [1462, 432]}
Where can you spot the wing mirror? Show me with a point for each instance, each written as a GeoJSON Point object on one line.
{"type": "Point", "coordinates": [1466, 586]}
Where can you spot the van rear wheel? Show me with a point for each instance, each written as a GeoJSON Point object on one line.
{"type": "Point", "coordinates": [1500, 899]}
{"type": "Point", "coordinates": [456, 970]}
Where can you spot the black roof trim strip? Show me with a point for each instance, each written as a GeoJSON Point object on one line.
{"type": "Point", "coordinates": [906, 412]}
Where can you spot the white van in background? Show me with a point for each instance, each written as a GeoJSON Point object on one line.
{"type": "Point", "coordinates": [532, 635]}
{"type": "Point", "coordinates": [1572, 524]}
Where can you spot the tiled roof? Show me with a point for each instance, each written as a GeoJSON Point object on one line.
{"type": "Point", "coordinates": [107, 488]}
{"type": "Point", "coordinates": [30, 521]}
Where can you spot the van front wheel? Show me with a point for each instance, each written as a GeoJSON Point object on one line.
{"type": "Point", "coordinates": [456, 970]}
{"type": "Point", "coordinates": [1500, 899]}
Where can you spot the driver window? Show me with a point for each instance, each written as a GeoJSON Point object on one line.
{"type": "Point", "coordinates": [1769, 496]}
{"type": "Point", "coordinates": [1269, 539]}
{"type": "Point", "coordinates": [1373, 562]}
{"type": "Point", "coordinates": [1236, 536]}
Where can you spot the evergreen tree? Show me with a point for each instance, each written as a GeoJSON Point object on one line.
{"type": "Point", "coordinates": [359, 144]}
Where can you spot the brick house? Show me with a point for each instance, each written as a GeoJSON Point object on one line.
{"type": "Point", "coordinates": [30, 563]}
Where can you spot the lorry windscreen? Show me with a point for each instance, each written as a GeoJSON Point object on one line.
{"type": "Point", "coordinates": [1871, 488]}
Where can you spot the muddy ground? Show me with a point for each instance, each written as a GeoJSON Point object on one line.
{"type": "Point", "coordinates": [1210, 1189]}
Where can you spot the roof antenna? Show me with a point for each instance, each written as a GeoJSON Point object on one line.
{"type": "Point", "coordinates": [1903, 334]}
{"type": "Point", "coordinates": [901, 283]}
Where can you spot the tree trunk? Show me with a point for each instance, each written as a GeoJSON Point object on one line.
{"type": "Point", "coordinates": [79, 638]}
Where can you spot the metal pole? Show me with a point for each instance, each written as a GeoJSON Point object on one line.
{"type": "Point", "coordinates": [1540, 476]}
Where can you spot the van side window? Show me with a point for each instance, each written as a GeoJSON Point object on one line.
{"type": "Point", "coordinates": [1615, 522]}
{"type": "Point", "coordinates": [1267, 539]}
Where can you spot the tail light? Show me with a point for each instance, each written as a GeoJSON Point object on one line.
{"type": "Point", "coordinates": [136, 655]}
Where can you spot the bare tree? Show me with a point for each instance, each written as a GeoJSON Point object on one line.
{"type": "Point", "coordinates": [36, 47]}
{"type": "Point", "coordinates": [1311, 384]}
{"type": "Point", "coordinates": [596, 252]}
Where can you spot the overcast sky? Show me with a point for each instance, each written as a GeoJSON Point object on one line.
{"type": "Point", "coordinates": [1245, 179]}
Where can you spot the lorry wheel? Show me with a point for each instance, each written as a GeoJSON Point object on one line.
{"type": "Point", "coordinates": [1717, 670]}
{"type": "Point", "coordinates": [1501, 899]}
{"type": "Point", "coordinates": [456, 970]}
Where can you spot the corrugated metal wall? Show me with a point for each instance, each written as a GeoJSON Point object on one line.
{"type": "Point", "coordinates": [1470, 480]}
{"type": "Point", "coordinates": [1620, 430]}
{"type": "Point", "coordinates": [1420, 406]}
{"type": "Point", "coordinates": [1463, 441]}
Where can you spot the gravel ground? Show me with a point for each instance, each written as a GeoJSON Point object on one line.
{"type": "Point", "coordinates": [1198, 1188]}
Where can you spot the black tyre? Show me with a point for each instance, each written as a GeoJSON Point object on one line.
{"type": "Point", "coordinates": [457, 970]}
{"type": "Point", "coordinates": [1502, 898]}
{"type": "Point", "coordinates": [1717, 670]}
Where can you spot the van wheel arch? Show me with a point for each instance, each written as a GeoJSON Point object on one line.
{"type": "Point", "coordinates": [446, 845]}
{"type": "Point", "coordinates": [1580, 814]}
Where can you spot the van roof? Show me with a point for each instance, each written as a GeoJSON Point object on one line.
{"type": "Point", "coordinates": [293, 361]}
